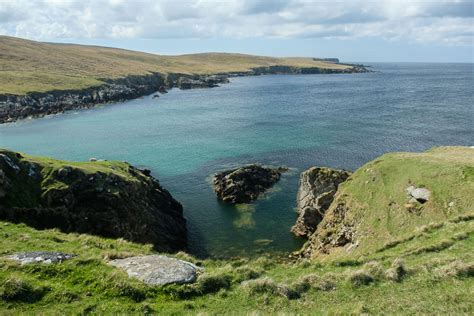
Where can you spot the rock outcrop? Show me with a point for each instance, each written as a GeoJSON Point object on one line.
{"type": "Point", "coordinates": [111, 199]}
{"type": "Point", "coordinates": [244, 184]}
{"type": "Point", "coordinates": [158, 270]}
{"type": "Point", "coordinates": [315, 194]}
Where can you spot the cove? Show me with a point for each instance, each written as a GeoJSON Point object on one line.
{"type": "Point", "coordinates": [297, 121]}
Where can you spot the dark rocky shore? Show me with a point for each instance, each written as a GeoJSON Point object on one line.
{"type": "Point", "coordinates": [15, 107]}
{"type": "Point", "coordinates": [110, 199]}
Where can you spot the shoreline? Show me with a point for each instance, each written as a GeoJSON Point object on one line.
{"type": "Point", "coordinates": [36, 105]}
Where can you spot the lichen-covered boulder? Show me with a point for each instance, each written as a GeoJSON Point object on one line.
{"type": "Point", "coordinates": [158, 270]}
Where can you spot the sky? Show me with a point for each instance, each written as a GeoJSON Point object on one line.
{"type": "Point", "coordinates": [352, 30]}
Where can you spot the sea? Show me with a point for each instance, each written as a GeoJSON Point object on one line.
{"type": "Point", "coordinates": [296, 121]}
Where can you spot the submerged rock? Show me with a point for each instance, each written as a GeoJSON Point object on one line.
{"type": "Point", "coordinates": [45, 257]}
{"type": "Point", "coordinates": [316, 192]}
{"type": "Point", "coordinates": [158, 270]}
{"type": "Point", "coordinates": [244, 184]}
{"type": "Point", "coordinates": [110, 199]}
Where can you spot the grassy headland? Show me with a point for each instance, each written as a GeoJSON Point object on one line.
{"type": "Point", "coordinates": [29, 66]}
{"type": "Point", "coordinates": [408, 260]}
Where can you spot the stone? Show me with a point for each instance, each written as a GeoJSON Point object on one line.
{"type": "Point", "coordinates": [245, 184]}
{"type": "Point", "coordinates": [158, 269]}
{"type": "Point", "coordinates": [45, 257]}
{"type": "Point", "coordinates": [421, 195]}
{"type": "Point", "coordinates": [315, 194]}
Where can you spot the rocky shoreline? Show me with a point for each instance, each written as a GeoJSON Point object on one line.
{"type": "Point", "coordinates": [35, 104]}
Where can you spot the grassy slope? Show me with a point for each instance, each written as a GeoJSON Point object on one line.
{"type": "Point", "coordinates": [87, 284]}
{"type": "Point", "coordinates": [377, 200]}
{"type": "Point", "coordinates": [436, 251]}
{"type": "Point", "coordinates": [27, 66]}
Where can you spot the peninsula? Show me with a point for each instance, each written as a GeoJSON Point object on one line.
{"type": "Point", "coordinates": [38, 79]}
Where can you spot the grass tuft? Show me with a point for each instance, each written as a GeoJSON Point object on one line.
{"type": "Point", "coordinates": [456, 269]}
{"type": "Point", "coordinates": [17, 289]}
{"type": "Point", "coordinates": [359, 278]}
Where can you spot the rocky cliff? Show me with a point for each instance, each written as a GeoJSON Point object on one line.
{"type": "Point", "coordinates": [111, 199]}
{"type": "Point", "coordinates": [316, 192]}
{"type": "Point", "coordinates": [14, 107]}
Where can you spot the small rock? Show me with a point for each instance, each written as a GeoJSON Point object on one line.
{"type": "Point", "coordinates": [45, 257]}
{"type": "Point", "coordinates": [92, 159]}
{"type": "Point", "coordinates": [158, 269]}
{"type": "Point", "coordinates": [422, 195]}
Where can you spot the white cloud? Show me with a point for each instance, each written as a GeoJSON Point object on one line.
{"type": "Point", "coordinates": [443, 21]}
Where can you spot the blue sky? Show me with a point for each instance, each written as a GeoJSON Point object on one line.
{"type": "Point", "coordinates": [356, 30]}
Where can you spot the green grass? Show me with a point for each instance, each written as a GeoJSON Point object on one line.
{"type": "Point", "coordinates": [422, 264]}
{"type": "Point", "coordinates": [29, 66]}
{"type": "Point", "coordinates": [86, 284]}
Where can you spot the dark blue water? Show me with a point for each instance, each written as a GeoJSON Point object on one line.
{"type": "Point", "coordinates": [298, 121]}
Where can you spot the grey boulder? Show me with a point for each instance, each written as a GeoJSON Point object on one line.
{"type": "Point", "coordinates": [422, 195]}
{"type": "Point", "coordinates": [158, 269]}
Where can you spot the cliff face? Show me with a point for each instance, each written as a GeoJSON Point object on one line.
{"type": "Point", "coordinates": [110, 199]}
{"type": "Point", "coordinates": [316, 192]}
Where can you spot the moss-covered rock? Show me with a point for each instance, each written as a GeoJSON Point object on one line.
{"type": "Point", "coordinates": [111, 199]}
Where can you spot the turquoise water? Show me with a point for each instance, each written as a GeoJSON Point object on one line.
{"type": "Point", "coordinates": [294, 120]}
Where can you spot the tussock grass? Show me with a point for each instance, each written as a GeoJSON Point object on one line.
{"type": "Point", "coordinates": [360, 277]}
{"type": "Point", "coordinates": [268, 286]}
{"type": "Point", "coordinates": [17, 289]}
{"type": "Point", "coordinates": [457, 269]}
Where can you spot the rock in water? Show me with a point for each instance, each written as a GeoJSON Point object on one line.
{"type": "Point", "coordinates": [316, 192]}
{"type": "Point", "coordinates": [158, 270]}
{"type": "Point", "coordinates": [45, 257]}
{"type": "Point", "coordinates": [245, 184]}
{"type": "Point", "coordinates": [106, 198]}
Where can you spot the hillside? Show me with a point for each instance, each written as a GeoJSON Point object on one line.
{"type": "Point", "coordinates": [29, 66]}
{"type": "Point", "coordinates": [410, 260]}
{"type": "Point", "coordinates": [372, 211]}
